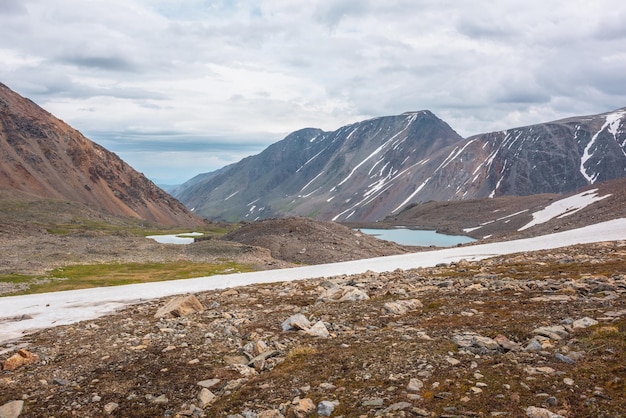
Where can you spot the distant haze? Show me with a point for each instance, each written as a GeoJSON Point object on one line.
{"type": "Point", "coordinates": [180, 88]}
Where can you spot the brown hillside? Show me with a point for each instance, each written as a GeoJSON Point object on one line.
{"type": "Point", "coordinates": [42, 155]}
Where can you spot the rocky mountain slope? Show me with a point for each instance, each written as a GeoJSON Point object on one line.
{"type": "Point", "coordinates": [373, 169]}
{"type": "Point", "coordinates": [43, 156]}
{"type": "Point", "coordinates": [324, 174]}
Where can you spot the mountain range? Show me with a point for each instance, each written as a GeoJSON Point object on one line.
{"type": "Point", "coordinates": [44, 157]}
{"type": "Point", "coordinates": [373, 169]}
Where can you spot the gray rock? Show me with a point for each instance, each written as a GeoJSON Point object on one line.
{"type": "Point", "coordinates": [585, 322]}
{"type": "Point", "coordinates": [552, 401]}
{"type": "Point", "coordinates": [564, 358]}
{"type": "Point", "coordinates": [533, 345]}
{"type": "Point", "coordinates": [209, 383]}
{"type": "Point", "coordinates": [555, 332]}
{"type": "Point", "coordinates": [296, 322]}
{"type": "Point", "coordinates": [486, 343]}
{"type": "Point", "coordinates": [326, 408]}
{"type": "Point", "coordinates": [376, 402]}
{"type": "Point", "coordinates": [400, 406]}
{"type": "Point", "coordinates": [465, 340]}
{"type": "Point", "coordinates": [318, 330]}
{"type": "Point", "coordinates": [61, 382]}
{"type": "Point", "coordinates": [415, 385]}
{"type": "Point", "coordinates": [11, 409]}
{"type": "Point", "coordinates": [342, 294]}
{"type": "Point", "coordinates": [475, 341]}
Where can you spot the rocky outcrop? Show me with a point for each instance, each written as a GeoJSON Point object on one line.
{"type": "Point", "coordinates": [43, 156]}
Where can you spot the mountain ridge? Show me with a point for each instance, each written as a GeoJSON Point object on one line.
{"type": "Point", "coordinates": [312, 162]}
{"type": "Point", "coordinates": [368, 170]}
{"type": "Point", "coordinates": [42, 155]}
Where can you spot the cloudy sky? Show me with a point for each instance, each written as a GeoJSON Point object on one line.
{"type": "Point", "coordinates": [181, 87]}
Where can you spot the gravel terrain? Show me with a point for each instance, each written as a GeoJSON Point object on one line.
{"type": "Point", "coordinates": [539, 334]}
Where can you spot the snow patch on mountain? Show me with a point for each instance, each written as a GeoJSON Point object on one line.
{"type": "Point", "coordinates": [612, 122]}
{"type": "Point", "coordinates": [564, 207]}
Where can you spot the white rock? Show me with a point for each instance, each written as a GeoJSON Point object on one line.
{"type": "Point", "coordinates": [209, 383]}
{"type": "Point", "coordinates": [452, 361]}
{"type": "Point", "coordinates": [318, 330]}
{"type": "Point", "coordinates": [415, 385]}
{"type": "Point", "coordinates": [534, 412]}
{"type": "Point", "coordinates": [326, 408]}
{"type": "Point", "coordinates": [584, 323]}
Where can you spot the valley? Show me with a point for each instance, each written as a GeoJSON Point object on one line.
{"type": "Point", "coordinates": [283, 308]}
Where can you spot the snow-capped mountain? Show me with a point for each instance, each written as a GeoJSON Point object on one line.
{"type": "Point", "coordinates": [372, 169]}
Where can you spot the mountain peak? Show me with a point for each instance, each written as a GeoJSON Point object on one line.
{"type": "Point", "coordinates": [368, 170]}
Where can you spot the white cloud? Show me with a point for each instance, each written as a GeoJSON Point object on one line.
{"type": "Point", "coordinates": [259, 70]}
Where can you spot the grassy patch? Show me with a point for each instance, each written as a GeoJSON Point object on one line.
{"type": "Point", "coordinates": [135, 230]}
{"type": "Point", "coordinates": [115, 274]}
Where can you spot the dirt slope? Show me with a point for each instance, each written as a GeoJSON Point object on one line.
{"type": "Point", "coordinates": [302, 240]}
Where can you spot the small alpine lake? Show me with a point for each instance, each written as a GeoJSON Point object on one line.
{"type": "Point", "coordinates": [420, 237]}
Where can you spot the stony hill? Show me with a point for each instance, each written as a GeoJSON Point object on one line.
{"type": "Point", "coordinates": [43, 156]}
{"type": "Point", "coordinates": [375, 168]}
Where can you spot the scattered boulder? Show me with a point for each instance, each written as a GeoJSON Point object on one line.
{"type": "Point", "coordinates": [205, 397]}
{"type": "Point", "coordinates": [415, 385]}
{"type": "Point", "coordinates": [209, 383]}
{"type": "Point", "coordinates": [343, 294]}
{"type": "Point", "coordinates": [402, 306]}
{"type": "Point", "coordinates": [11, 409]}
{"type": "Point", "coordinates": [555, 332]}
{"type": "Point", "coordinates": [303, 408]}
{"type": "Point", "coordinates": [180, 306]}
{"type": "Point", "coordinates": [110, 407]}
{"type": "Point", "coordinates": [296, 322]}
{"type": "Point", "coordinates": [318, 330]}
{"type": "Point", "coordinates": [21, 358]}
{"type": "Point", "coordinates": [326, 408]}
{"type": "Point", "coordinates": [585, 322]}
{"type": "Point", "coordinates": [534, 412]}
{"type": "Point", "coordinates": [476, 343]}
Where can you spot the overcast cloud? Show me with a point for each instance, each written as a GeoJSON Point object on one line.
{"type": "Point", "coordinates": [177, 88]}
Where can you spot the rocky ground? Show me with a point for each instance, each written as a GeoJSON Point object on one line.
{"type": "Point", "coordinates": [538, 334]}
